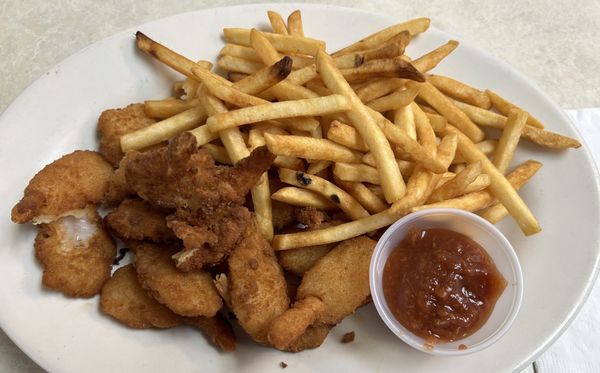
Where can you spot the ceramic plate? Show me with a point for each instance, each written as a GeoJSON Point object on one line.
{"type": "Point", "coordinates": [57, 114]}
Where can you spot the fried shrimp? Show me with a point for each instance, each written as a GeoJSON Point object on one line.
{"type": "Point", "coordinates": [76, 253]}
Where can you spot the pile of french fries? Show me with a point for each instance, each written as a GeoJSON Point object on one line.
{"type": "Point", "coordinates": [367, 130]}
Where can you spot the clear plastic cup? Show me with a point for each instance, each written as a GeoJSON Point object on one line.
{"type": "Point", "coordinates": [494, 243]}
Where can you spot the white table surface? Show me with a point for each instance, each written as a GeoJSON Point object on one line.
{"type": "Point", "coordinates": [556, 44]}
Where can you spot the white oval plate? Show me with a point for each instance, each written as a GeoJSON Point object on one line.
{"type": "Point", "coordinates": [57, 114]}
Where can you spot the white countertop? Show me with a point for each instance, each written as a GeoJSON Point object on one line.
{"type": "Point", "coordinates": [557, 46]}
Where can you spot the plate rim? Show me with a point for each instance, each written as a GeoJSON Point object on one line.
{"type": "Point", "coordinates": [590, 281]}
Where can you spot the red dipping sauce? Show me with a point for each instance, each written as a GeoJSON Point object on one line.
{"type": "Point", "coordinates": [441, 285]}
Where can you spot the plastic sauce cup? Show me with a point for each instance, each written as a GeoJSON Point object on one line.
{"type": "Point", "coordinates": [494, 243]}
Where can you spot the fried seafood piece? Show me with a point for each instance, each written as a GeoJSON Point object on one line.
{"type": "Point", "coordinates": [124, 299]}
{"type": "Point", "coordinates": [114, 123]}
{"type": "Point", "coordinates": [185, 293]}
{"type": "Point", "coordinates": [313, 337]}
{"type": "Point", "coordinates": [331, 290]}
{"type": "Point", "coordinates": [283, 215]}
{"type": "Point", "coordinates": [207, 199]}
{"type": "Point", "coordinates": [69, 183]}
{"type": "Point", "coordinates": [136, 219]}
{"type": "Point", "coordinates": [257, 287]}
{"type": "Point", "coordinates": [76, 253]}
{"type": "Point", "coordinates": [311, 217]}
{"type": "Point", "coordinates": [117, 190]}
{"type": "Point", "coordinates": [217, 329]}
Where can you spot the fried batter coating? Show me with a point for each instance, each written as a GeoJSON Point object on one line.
{"type": "Point", "coordinates": [76, 253]}
{"type": "Point", "coordinates": [311, 217]}
{"type": "Point", "coordinates": [257, 287]}
{"type": "Point", "coordinates": [69, 183]}
{"type": "Point", "coordinates": [283, 215]}
{"type": "Point", "coordinates": [124, 299]}
{"type": "Point", "coordinates": [217, 329]}
{"type": "Point", "coordinates": [117, 190]}
{"type": "Point", "coordinates": [298, 261]}
{"type": "Point", "coordinates": [313, 337]}
{"type": "Point", "coordinates": [339, 280]}
{"type": "Point", "coordinates": [209, 216]}
{"type": "Point", "coordinates": [185, 293]}
{"type": "Point", "coordinates": [115, 123]}
{"type": "Point", "coordinates": [138, 220]}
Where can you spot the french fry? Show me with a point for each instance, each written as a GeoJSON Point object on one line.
{"type": "Point", "coordinates": [236, 77]}
{"type": "Point", "coordinates": [256, 139]}
{"type": "Point", "coordinates": [163, 130]}
{"type": "Point", "coordinates": [356, 172]}
{"type": "Point", "coordinates": [393, 47]}
{"type": "Point", "coordinates": [303, 198]}
{"type": "Point", "coordinates": [250, 54]}
{"type": "Point", "coordinates": [239, 65]}
{"type": "Point", "coordinates": [404, 118]}
{"type": "Point", "coordinates": [349, 61]}
{"type": "Point", "coordinates": [390, 67]}
{"type": "Point", "coordinates": [405, 167]}
{"type": "Point", "coordinates": [460, 91]}
{"type": "Point", "coordinates": [369, 200]}
{"type": "Point", "coordinates": [219, 153]}
{"type": "Point", "coordinates": [391, 179]}
{"type": "Point", "coordinates": [504, 106]}
{"type": "Point", "coordinates": [277, 22]}
{"type": "Point", "coordinates": [437, 121]}
{"type": "Point", "coordinates": [346, 135]}
{"type": "Point", "coordinates": [487, 147]}
{"type": "Point", "coordinates": [479, 200]}
{"type": "Point", "coordinates": [425, 133]}
{"type": "Point", "coordinates": [265, 77]}
{"type": "Point", "coordinates": [283, 43]}
{"type": "Point", "coordinates": [316, 167]}
{"type": "Point", "coordinates": [480, 183]}
{"type": "Point", "coordinates": [507, 143]}
{"type": "Point", "coordinates": [378, 88]}
{"type": "Point", "coordinates": [310, 148]}
{"type": "Point", "coordinates": [413, 27]}
{"type": "Point", "coordinates": [162, 109]}
{"type": "Point", "coordinates": [279, 110]}
{"type": "Point", "coordinates": [395, 100]}
{"type": "Point", "coordinates": [170, 58]}
{"type": "Point", "coordinates": [331, 191]}
{"type": "Point", "coordinates": [454, 115]}
{"type": "Point", "coordinates": [538, 136]}
{"type": "Point", "coordinates": [318, 87]}
{"type": "Point", "coordinates": [295, 27]}
{"type": "Point", "coordinates": [446, 150]}
{"type": "Point", "coordinates": [430, 60]}
{"type": "Point", "coordinates": [457, 185]}
{"type": "Point", "coordinates": [500, 187]}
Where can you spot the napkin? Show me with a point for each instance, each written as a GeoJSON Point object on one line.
{"type": "Point", "coordinates": [578, 349]}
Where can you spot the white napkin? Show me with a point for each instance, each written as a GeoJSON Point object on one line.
{"type": "Point", "coordinates": [578, 349]}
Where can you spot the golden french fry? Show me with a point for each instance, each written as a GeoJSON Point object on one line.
{"type": "Point", "coordinates": [405, 167]}
{"type": "Point", "coordinates": [316, 167]}
{"type": "Point", "coordinates": [163, 130]}
{"type": "Point", "coordinates": [349, 61]}
{"type": "Point", "coordinates": [175, 61]}
{"type": "Point", "coordinates": [162, 109]}
{"type": "Point", "coordinates": [219, 153]}
{"type": "Point", "coordinates": [389, 68]}
{"type": "Point", "coordinates": [329, 190]}
{"type": "Point", "coordinates": [404, 118]}
{"type": "Point", "coordinates": [413, 27]}
{"type": "Point", "coordinates": [346, 135]}
{"type": "Point", "coordinates": [393, 47]}
{"type": "Point", "coordinates": [369, 200]}
{"type": "Point", "coordinates": [507, 144]}
{"type": "Point", "coordinates": [500, 187]}
{"type": "Point", "coordinates": [480, 183]}
{"type": "Point", "coordinates": [391, 179]}
{"type": "Point", "coordinates": [378, 88]}
{"type": "Point", "coordinates": [487, 147]}
{"type": "Point", "coordinates": [538, 136]}
{"type": "Point", "coordinates": [236, 77]}
{"type": "Point", "coordinates": [432, 59]}
{"type": "Point", "coordinates": [277, 22]}
{"type": "Point", "coordinates": [437, 121]}
{"type": "Point", "coordinates": [504, 106]}
{"type": "Point", "coordinates": [395, 100]}
{"type": "Point", "coordinates": [454, 115]}
{"type": "Point", "coordinates": [265, 77]}
{"type": "Point", "coordinates": [356, 172]}
{"type": "Point", "coordinates": [295, 27]}
{"type": "Point", "coordinates": [256, 138]}
{"type": "Point", "coordinates": [279, 110]}
{"type": "Point", "coordinates": [425, 133]}
{"type": "Point", "coordinates": [318, 87]}
{"type": "Point", "coordinates": [250, 54]}
{"type": "Point", "coordinates": [460, 91]}
{"type": "Point", "coordinates": [457, 185]}
{"type": "Point", "coordinates": [283, 43]}
{"type": "Point", "coordinates": [304, 198]}
{"type": "Point", "coordinates": [239, 65]}
{"type": "Point", "coordinates": [310, 148]}
{"type": "Point", "coordinates": [446, 150]}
